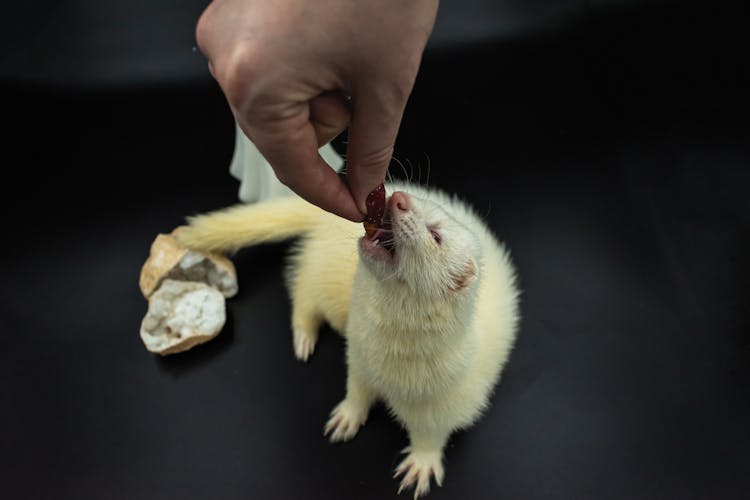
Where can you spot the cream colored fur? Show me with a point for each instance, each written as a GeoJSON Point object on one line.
{"type": "Point", "coordinates": [428, 333]}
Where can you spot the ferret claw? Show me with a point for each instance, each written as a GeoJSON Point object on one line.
{"type": "Point", "coordinates": [304, 345]}
{"type": "Point", "coordinates": [344, 423]}
{"type": "Point", "coordinates": [417, 468]}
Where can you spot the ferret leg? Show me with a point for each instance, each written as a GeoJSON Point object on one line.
{"type": "Point", "coordinates": [350, 414]}
{"type": "Point", "coordinates": [305, 324]}
{"type": "Point", "coordinates": [424, 459]}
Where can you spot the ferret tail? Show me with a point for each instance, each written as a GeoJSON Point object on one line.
{"type": "Point", "coordinates": [239, 226]}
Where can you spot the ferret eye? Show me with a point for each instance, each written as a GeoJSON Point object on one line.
{"type": "Point", "coordinates": [435, 236]}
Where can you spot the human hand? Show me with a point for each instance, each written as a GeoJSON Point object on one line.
{"type": "Point", "coordinates": [296, 73]}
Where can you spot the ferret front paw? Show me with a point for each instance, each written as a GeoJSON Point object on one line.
{"type": "Point", "coordinates": [304, 344]}
{"type": "Point", "coordinates": [345, 421]}
{"type": "Point", "coordinates": [417, 468]}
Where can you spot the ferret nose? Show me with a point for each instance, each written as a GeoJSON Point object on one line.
{"type": "Point", "coordinates": [399, 200]}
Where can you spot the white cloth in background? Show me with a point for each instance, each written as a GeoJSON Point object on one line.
{"type": "Point", "coordinates": [257, 179]}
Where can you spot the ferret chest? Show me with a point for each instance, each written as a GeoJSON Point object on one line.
{"type": "Point", "coordinates": [409, 363]}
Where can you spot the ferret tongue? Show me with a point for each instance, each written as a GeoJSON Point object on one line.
{"type": "Point", "coordinates": [375, 209]}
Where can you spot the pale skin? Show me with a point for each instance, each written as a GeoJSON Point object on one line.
{"type": "Point", "coordinates": [297, 73]}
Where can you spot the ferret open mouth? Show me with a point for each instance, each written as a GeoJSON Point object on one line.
{"type": "Point", "coordinates": [383, 237]}
{"type": "Point", "coordinates": [381, 244]}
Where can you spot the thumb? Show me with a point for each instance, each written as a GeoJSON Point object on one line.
{"type": "Point", "coordinates": [376, 117]}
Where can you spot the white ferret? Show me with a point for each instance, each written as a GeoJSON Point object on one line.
{"type": "Point", "coordinates": [429, 309]}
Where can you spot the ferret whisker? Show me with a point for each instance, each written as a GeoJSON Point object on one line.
{"type": "Point", "coordinates": [427, 183]}
{"type": "Point", "coordinates": [403, 168]}
{"type": "Point", "coordinates": [419, 173]}
{"type": "Point", "coordinates": [388, 175]}
{"type": "Point", "coordinates": [411, 169]}
{"type": "Point", "coordinates": [486, 216]}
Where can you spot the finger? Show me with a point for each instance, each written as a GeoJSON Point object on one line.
{"type": "Point", "coordinates": [376, 116]}
{"type": "Point", "coordinates": [233, 63]}
{"type": "Point", "coordinates": [290, 145]}
{"type": "Point", "coordinates": [329, 114]}
{"type": "Point", "coordinates": [205, 36]}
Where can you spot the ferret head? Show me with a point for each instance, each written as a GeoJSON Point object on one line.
{"type": "Point", "coordinates": [422, 246]}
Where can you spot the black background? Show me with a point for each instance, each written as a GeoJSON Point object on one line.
{"type": "Point", "coordinates": [607, 143]}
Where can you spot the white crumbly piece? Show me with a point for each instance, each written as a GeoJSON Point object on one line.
{"type": "Point", "coordinates": [182, 314]}
{"type": "Point", "coordinates": [428, 306]}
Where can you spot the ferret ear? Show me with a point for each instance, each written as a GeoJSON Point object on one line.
{"type": "Point", "coordinates": [462, 279]}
